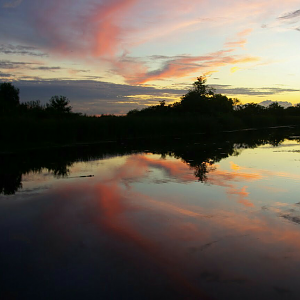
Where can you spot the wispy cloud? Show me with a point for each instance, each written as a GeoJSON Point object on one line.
{"type": "Point", "coordinates": [290, 15]}
{"type": "Point", "coordinates": [6, 76]}
{"type": "Point", "coordinates": [21, 50]}
{"type": "Point", "coordinates": [242, 195]}
{"type": "Point", "coordinates": [184, 65]}
{"type": "Point", "coordinates": [85, 29]}
{"type": "Point", "coordinates": [107, 31]}
{"type": "Point", "coordinates": [225, 89]}
{"type": "Point", "coordinates": [287, 21]}
{"type": "Point", "coordinates": [240, 39]}
{"type": "Point", "coordinates": [6, 64]}
{"type": "Point", "coordinates": [47, 68]}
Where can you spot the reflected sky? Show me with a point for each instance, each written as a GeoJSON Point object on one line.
{"type": "Point", "coordinates": [144, 226]}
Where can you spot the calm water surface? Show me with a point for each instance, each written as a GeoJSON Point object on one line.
{"type": "Point", "coordinates": [152, 226]}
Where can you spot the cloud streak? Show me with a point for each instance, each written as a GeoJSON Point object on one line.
{"type": "Point", "coordinates": [240, 40]}
{"type": "Point", "coordinates": [291, 15]}
{"type": "Point", "coordinates": [6, 64]}
{"type": "Point", "coordinates": [184, 65]}
{"type": "Point", "coordinates": [21, 50]}
{"type": "Point", "coordinates": [262, 91]}
{"type": "Point", "coordinates": [47, 68]}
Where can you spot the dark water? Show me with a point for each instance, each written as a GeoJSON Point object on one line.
{"type": "Point", "coordinates": [192, 218]}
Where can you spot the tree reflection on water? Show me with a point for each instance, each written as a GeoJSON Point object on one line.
{"type": "Point", "coordinates": [200, 153]}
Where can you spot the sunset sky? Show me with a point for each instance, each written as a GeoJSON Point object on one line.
{"type": "Point", "coordinates": [111, 56]}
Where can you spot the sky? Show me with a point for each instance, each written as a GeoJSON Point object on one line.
{"type": "Point", "coordinates": [111, 56]}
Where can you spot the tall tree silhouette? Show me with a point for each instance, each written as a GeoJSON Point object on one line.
{"type": "Point", "coordinates": [59, 104]}
{"type": "Point", "coordinates": [202, 99]}
{"type": "Point", "coordinates": [9, 97]}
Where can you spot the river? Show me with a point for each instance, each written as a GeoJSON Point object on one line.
{"type": "Point", "coordinates": [189, 219]}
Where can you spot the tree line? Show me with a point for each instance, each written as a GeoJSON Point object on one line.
{"type": "Point", "coordinates": [10, 102]}
{"type": "Point", "coordinates": [202, 100]}
{"type": "Point", "coordinates": [200, 110]}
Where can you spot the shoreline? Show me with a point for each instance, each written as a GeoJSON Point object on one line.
{"type": "Point", "coordinates": [13, 149]}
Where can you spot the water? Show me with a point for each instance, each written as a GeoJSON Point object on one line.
{"type": "Point", "coordinates": [192, 220]}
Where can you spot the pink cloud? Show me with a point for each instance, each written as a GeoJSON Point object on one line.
{"type": "Point", "coordinates": [106, 22]}
{"type": "Point", "coordinates": [182, 66]}
{"type": "Point", "coordinates": [98, 34]}
{"type": "Point", "coordinates": [155, 228]}
{"type": "Point", "coordinates": [85, 31]}
{"type": "Point", "coordinates": [138, 165]}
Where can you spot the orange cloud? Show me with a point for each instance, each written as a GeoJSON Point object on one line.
{"type": "Point", "coordinates": [273, 173]}
{"type": "Point", "coordinates": [222, 177]}
{"type": "Point", "coordinates": [227, 179]}
{"type": "Point", "coordinates": [242, 195]}
{"type": "Point", "coordinates": [240, 40]}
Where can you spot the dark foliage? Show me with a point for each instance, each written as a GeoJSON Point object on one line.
{"type": "Point", "coordinates": [9, 98]}
{"type": "Point", "coordinates": [207, 111]}
{"type": "Point", "coordinates": [59, 104]}
{"type": "Point", "coordinates": [200, 110]}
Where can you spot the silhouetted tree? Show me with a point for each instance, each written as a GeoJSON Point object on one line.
{"type": "Point", "coordinates": [9, 97]}
{"type": "Point", "coordinates": [133, 112]}
{"type": "Point", "coordinates": [196, 99]}
{"type": "Point", "coordinates": [221, 104]}
{"type": "Point", "coordinates": [162, 102]}
{"type": "Point", "coordinates": [201, 89]}
{"type": "Point", "coordinates": [33, 109]}
{"type": "Point", "coordinates": [59, 104]}
{"type": "Point", "coordinates": [275, 109]}
{"type": "Point", "coordinates": [202, 99]}
{"type": "Point", "coordinates": [252, 109]}
{"type": "Point", "coordinates": [34, 105]}
{"type": "Point", "coordinates": [293, 110]}
{"type": "Point", "coordinates": [10, 183]}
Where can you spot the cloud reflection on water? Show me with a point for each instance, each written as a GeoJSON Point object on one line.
{"type": "Point", "coordinates": [184, 237]}
{"type": "Point", "coordinates": [178, 239]}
